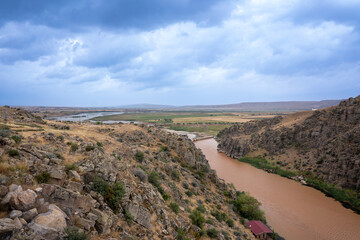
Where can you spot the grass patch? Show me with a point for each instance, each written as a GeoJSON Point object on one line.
{"type": "Point", "coordinates": [74, 234]}
{"type": "Point", "coordinates": [262, 163]}
{"type": "Point", "coordinates": [43, 177]}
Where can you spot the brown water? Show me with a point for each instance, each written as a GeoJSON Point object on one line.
{"type": "Point", "coordinates": [293, 210]}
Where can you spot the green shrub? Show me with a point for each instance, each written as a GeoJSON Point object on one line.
{"type": "Point", "coordinates": [230, 222]}
{"type": "Point", "coordinates": [248, 207]}
{"type": "Point", "coordinates": [164, 148]}
{"type": "Point", "coordinates": [60, 138]}
{"type": "Point", "coordinates": [99, 144]}
{"type": "Point", "coordinates": [197, 218]}
{"type": "Point", "coordinates": [219, 216]}
{"type": "Point", "coordinates": [128, 217]}
{"type": "Point", "coordinates": [139, 156]}
{"type": "Point", "coordinates": [112, 194]}
{"type": "Point", "coordinates": [175, 175]}
{"type": "Point", "coordinates": [13, 153]}
{"type": "Point", "coordinates": [210, 221]}
{"type": "Point", "coordinates": [74, 147]}
{"type": "Point", "coordinates": [189, 193]}
{"type": "Point", "coordinates": [16, 138]}
{"type": "Point", "coordinates": [181, 234]}
{"type": "Point", "coordinates": [174, 207]}
{"type": "Point", "coordinates": [4, 132]}
{"type": "Point", "coordinates": [89, 148]}
{"type": "Point", "coordinates": [69, 167]}
{"type": "Point", "coordinates": [43, 177]}
{"type": "Point", "coordinates": [201, 208]}
{"type": "Point", "coordinates": [59, 156]}
{"type": "Point", "coordinates": [101, 186]}
{"type": "Point", "coordinates": [74, 234]}
{"type": "Point", "coordinates": [212, 233]}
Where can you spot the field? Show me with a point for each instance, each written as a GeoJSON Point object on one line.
{"type": "Point", "coordinates": [205, 122]}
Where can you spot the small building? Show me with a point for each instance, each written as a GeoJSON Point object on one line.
{"type": "Point", "coordinates": [259, 229]}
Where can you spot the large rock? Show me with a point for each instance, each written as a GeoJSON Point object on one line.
{"type": "Point", "coordinates": [104, 221]}
{"type": "Point", "coordinates": [29, 215]}
{"type": "Point", "coordinates": [7, 225]}
{"type": "Point", "coordinates": [15, 214]}
{"type": "Point", "coordinates": [51, 224]}
{"type": "Point", "coordinates": [13, 190]}
{"type": "Point", "coordinates": [74, 175]}
{"type": "Point", "coordinates": [140, 214]}
{"type": "Point", "coordinates": [24, 200]}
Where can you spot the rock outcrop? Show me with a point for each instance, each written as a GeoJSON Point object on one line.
{"type": "Point", "coordinates": [324, 142]}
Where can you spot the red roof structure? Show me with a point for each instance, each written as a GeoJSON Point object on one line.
{"type": "Point", "coordinates": [257, 227]}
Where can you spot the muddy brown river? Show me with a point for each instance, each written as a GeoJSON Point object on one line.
{"type": "Point", "coordinates": [295, 211]}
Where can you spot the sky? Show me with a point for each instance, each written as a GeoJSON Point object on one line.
{"type": "Point", "coordinates": [180, 52]}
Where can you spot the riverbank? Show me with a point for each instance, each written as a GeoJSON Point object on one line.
{"type": "Point", "coordinates": [293, 210]}
{"type": "Point", "coordinates": [348, 198]}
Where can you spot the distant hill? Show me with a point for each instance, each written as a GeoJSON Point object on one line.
{"type": "Point", "coordinates": [146, 106]}
{"type": "Point", "coordinates": [268, 106]}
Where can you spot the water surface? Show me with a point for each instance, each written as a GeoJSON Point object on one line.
{"type": "Point", "coordinates": [295, 211]}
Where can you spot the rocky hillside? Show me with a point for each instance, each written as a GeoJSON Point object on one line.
{"type": "Point", "coordinates": [82, 180]}
{"type": "Point", "coordinates": [325, 142]}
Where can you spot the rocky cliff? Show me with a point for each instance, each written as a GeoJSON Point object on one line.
{"type": "Point", "coordinates": [323, 142]}
{"type": "Point", "coordinates": [120, 181]}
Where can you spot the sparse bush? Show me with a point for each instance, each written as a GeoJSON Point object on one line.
{"type": "Point", "coordinates": [140, 174]}
{"type": "Point", "coordinates": [219, 216]}
{"type": "Point", "coordinates": [74, 234]}
{"type": "Point", "coordinates": [60, 138]}
{"type": "Point", "coordinates": [230, 222]}
{"type": "Point", "coordinates": [210, 221]}
{"type": "Point", "coordinates": [139, 156]}
{"type": "Point", "coordinates": [164, 148]}
{"type": "Point", "coordinates": [112, 194]}
{"type": "Point", "coordinates": [212, 233]}
{"type": "Point", "coordinates": [59, 156]}
{"type": "Point", "coordinates": [197, 218]}
{"type": "Point", "coordinates": [16, 138]}
{"type": "Point", "coordinates": [69, 167]}
{"type": "Point", "coordinates": [201, 208]}
{"type": "Point", "coordinates": [174, 207]}
{"type": "Point", "coordinates": [74, 147]}
{"type": "Point", "coordinates": [13, 153]}
{"type": "Point", "coordinates": [4, 132]}
{"type": "Point", "coordinates": [185, 185]}
{"type": "Point", "coordinates": [248, 207]}
{"type": "Point", "coordinates": [99, 144]}
{"type": "Point", "coordinates": [175, 175]}
{"type": "Point", "coordinates": [43, 177]}
{"type": "Point", "coordinates": [128, 217]}
{"type": "Point", "coordinates": [101, 186]}
{"type": "Point", "coordinates": [181, 234]}
{"type": "Point", "coordinates": [89, 148]}
{"type": "Point", "coordinates": [154, 180]}
{"type": "Point", "coordinates": [189, 193]}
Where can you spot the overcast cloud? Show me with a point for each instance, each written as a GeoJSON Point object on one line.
{"type": "Point", "coordinates": [181, 52]}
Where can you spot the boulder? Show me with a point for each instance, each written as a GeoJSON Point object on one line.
{"type": "Point", "coordinates": [13, 190]}
{"type": "Point", "coordinates": [57, 174]}
{"type": "Point", "coordinates": [140, 214]}
{"type": "Point", "coordinates": [15, 214]}
{"type": "Point", "coordinates": [24, 200]}
{"type": "Point", "coordinates": [29, 215]}
{"type": "Point", "coordinates": [6, 225]}
{"type": "Point", "coordinates": [75, 186]}
{"type": "Point", "coordinates": [74, 175]}
{"type": "Point", "coordinates": [51, 224]}
{"type": "Point", "coordinates": [3, 191]}
{"type": "Point", "coordinates": [104, 221]}
{"type": "Point", "coordinates": [84, 223]}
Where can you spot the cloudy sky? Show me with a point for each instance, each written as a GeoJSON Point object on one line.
{"type": "Point", "coordinates": [180, 52]}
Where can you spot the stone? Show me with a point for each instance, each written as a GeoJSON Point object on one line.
{"type": "Point", "coordinates": [140, 214]}
{"type": "Point", "coordinates": [6, 225]}
{"type": "Point", "coordinates": [23, 221]}
{"type": "Point", "coordinates": [74, 175]}
{"type": "Point", "coordinates": [38, 190]}
{"type": "Point", "coordinates": [103, 222]}
{"type": "Point", "coordinates": [13, 190]}
{"type": "Point", "coordinates": [17, 223]}
{"type": "Point", "coordinates": [50, 224]}
{"type": "Point", "coordinates": [75, 186]}
{"type": "Point", "coordinates": [29, 215]}
{"type": "Point", "coordinates": [15, 214]}
{"type": "Point", "coordinates": [3, 191]}
{"type": "Point", "coordinates": [24, 200]}
{"type": "Point", "coordinates": [84, 223]}
{"type": "Point", "coordinates": [57, 174]}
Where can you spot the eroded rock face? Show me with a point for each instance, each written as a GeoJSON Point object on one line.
{"type": "Point", "coordinates": [23, 200]}
{"type": "Point", "coordinates": [140, 214]}
{"type": "Point", "coordinates": [326, 142]}
{"type": "Point", "coordinates": [50, 224]}
{"type": "Point", "coordinates": [7, 225]}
